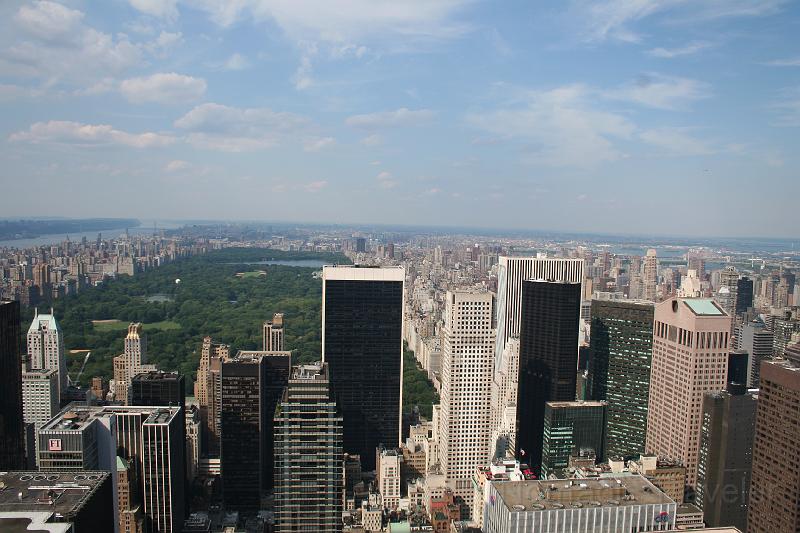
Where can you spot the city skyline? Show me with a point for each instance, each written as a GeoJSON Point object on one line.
{"type": "Point", "coordinates": [541, 117]}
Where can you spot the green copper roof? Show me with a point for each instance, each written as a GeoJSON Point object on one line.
{"type": "Point", "coordinates": [122, 464]}
{"type": "Point", "coordinates": [704, 307]}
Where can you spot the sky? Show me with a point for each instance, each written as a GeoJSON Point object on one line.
{"type": "Point", "coordinates": [621, 116]}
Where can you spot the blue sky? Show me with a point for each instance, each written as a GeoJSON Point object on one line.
{"type": "Point", "coordinates": [630, 116]}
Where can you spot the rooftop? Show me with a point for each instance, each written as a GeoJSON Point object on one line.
{"type": "Point", "coordinates": [703, 307]}
{"type": "Point", "coordinates": [55, 492]}
{"type": "Point", "coordinates": [577, 403]}
{"type": "Point", "coordinates": [76, 416]}
{"type": "Point", "coordinates": [537, 495]}
{"type": "Point", "coordinates": [26, 522]}
{"type": "Point", "coordinates": [43, 322]}
{"type": "Point", "coordinates": [156, 375]}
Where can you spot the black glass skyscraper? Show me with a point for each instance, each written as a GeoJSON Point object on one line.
{"type": "Point", "coordinates": [362, 330]}
{"type": "Point", "coordinates": [12, 447]}
{"type": "Point", "coordinates": [548, 357]}
{"type": "Point", "coordinates": [744, 294]}
{"type": "Point", "coordinates": [158, 389]}
{"type": "Point", "coordinates": [621, 348]}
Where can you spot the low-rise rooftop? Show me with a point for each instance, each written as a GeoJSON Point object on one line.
{"type": "Point", "coordinates": [63, 493]}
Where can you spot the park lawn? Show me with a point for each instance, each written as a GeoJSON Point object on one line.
{"type": "Point", "coordinates": [119, 325]}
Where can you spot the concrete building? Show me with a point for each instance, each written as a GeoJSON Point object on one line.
{"type": "Point", "coordinates": [387, 476]}
{"type": "Point", "coordinates": [362, 342]}
{"type": "Point", "coordinates": [775, 482]}
{"type": "Point", "coordinates": [309, 457]}
{"type": "Point", "coordinates": [273, 334]}
{"type": "Point", "coordinates": [39, 396]}
{"type": "Point", "coordinates": [130, 363]}
{"type": "Point", "coordinates": [755, 339]}
{"type": "Point", "coordinates": [79, 499]}
{"type": "Point", "coordinates": [613, 504]}
{"type": "Point", "coordinates": [497, 471]}
{"type": "Point", "coordinates": [512, 271]}
{"type": "Point", "coordinates": [163, 469]}
{"type": "Point", "coordinates": [621, 348]}
{"type": "Point", "coordinates": [130, 516]}
{"type": "Point", "coordinates": [193, 437]}
{"type": "Point", "coordinates": [12, 442]}
{"type": "Point", "coordinates": [548, 357]}
{"type": "Point", "coordinates": [467, 363]}
{"type": "Point", "coordinates": [650, 276]}
{"type": "Point", "coordinates": [691, 338]}
{"type": "Point", "coordinates": [726, 455]}
{"type": "Point", "coordinates": [46, 348]}
{"type": "Point", "coordinates": [570, 429]}
{"type": "Point", "coordinates": [503, 415]}
{"type": "Point", "coordinates": [208, 391]}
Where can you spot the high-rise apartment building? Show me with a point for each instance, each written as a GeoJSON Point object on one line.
{"type": "Point", "coordinates": [163, 469]}
{"type": "Point", "coordinates": [158, 389]}
{"type": "Point", "coordinates": [362, 342]}
{"type": "Point", "coordinates": [12, 444]}
{"type": "Point", "coordinates": [387, 476]}
{"type": "Point", "coordinates": [650, 276]}
{"type": "Point", "coordinates": [727, 290]}
{"type": "Point", "coordinates": [571, 429]}
{"type": "Point", "coordinates": [309, 458]}
{"type": "Point", "coordinates": [467, 364]}
{"type": "Point", "coordinates": [512, 271]}
{"type": "Point", "coordinates": [726, 456]}
{"type": "Point", "coordinates": [39, 396]}
{"type": "Point", "coordinates": [208, 391]}
{"type": "Point", "coordinates": [755, 339]}
{"type": "Point", "coordinates": [46, 348]}
{"type": "Point", "coordinates": [621, 347]}
{"type": "Point", "coordinates": [691, 338]}
{"type": "Point", "coordinates": [129, 363]}
{"type": "Point", "coordinates": [548, 358]}
{"type": "Point", "coordinates": [273, 334]}
{"type": "Point", "coordinates": [775, 481]}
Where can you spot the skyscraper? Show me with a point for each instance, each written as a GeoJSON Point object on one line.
{"type": "Point", "coordinates": [510, 275]}
{"type": "Point", "coordinates": [12, 447]}
{"type": "Point", "coordinates": [309, 457]}
{"type": "Point", "coordinates": [691, 339]}
{"type": "Point", "coordinates": [621, 347]}
{"type": "Point", "coordinates": [775, 482]}
{"type": "Point", "coordinates": [362, 342]}
{"type": "Point", "coordinates": [208, 391]}
{"type": "Point", "coordinates": [726, 456]}
{"type": "Point", "coordinates": [46, 348]}
{"type": "Point", "coordinates": [548, 357]}
{"type": "Point", "coordinates": [503, 415]}
{"type": "Point", "coordinates": [650, 276]}
{"type": "Point", "coordinates": [728, 288]}
{"type": "Point", "coordinates": [39, 396]}
{"type": "Point", "coordinates": [158, 389]}
{"type": "Point", "coordinates": [571, 428]}
{"type": "Point", "coordinates": [744, 294]}
{"type": "Point", "coordinates": [755, 339]}
{"type": "Point", "coordinates": [273, 334]}
{"type": "Point", "coordinates": [130, 363]}
{"type": "Point", "coordinates": [163, 469]}
{"type": "Point", "coordinates": [467, 363]}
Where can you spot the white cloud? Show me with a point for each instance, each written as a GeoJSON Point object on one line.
{"type": "Point", "coordinates": [315, 186]}
{"type": "Point", "coordinates": [788, 62]}
{"type": "Point", "coordinates": [787, 107]}
{"type": "Point", "coordinates": [386, 119]}
{"type": "Point", "coordinates": [302, 78]}
{"type": "Point", "coordinates": [559, 127]}
{"type": "Point", "coordinates": [372, 140]}
{"type": "Point", "coordinates": [386, 180]}
{"type": "Point", "coordinates": [167, 9]}
{"type": "Point", "coordinates": [661, 92]}
{"type": "Point", "coordinates": [315, 144]}
{"type": "Point", "coordinates": [689, 49]}
{"type": "Point", "coordinates": [676, 141]}
{"type": "Point", "coordinates": [176, 165]}
{"type": "Point", "coordinates": [50, 21]}
{"type": "Point", "coordinates": [76, 133]}
{"type": "Point", "coordinates": [163, 43]}
{"type": "Point", "coordinates": [233, 129]}
{"type": "Point", "coordinates": [167, 87]}
{"type": "Point", "coordinates": [236, 62]}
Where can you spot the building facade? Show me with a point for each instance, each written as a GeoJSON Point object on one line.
{"type": "Point", "coordinates": [208, 391]}
{"type": "Point", "coordinates": [158, 389]}
{"type": "Point", "coordinates": [571, 429]}
{"type": "Point", "coordinates": [130, 363]}
{"type": "Point", "coordinates": [621, 347]}
{"type": "Point", "coordinates": [46, 348]}
{"type": "Point", "coordinates": [163, 469]}
{"type": "Point", "coordinates": [273, 334]}
{"type": "Point", "coordinates": [12, 443]}
{"type": "Point", "coordinates": [362, 342]}
{"type": "Point", "coordinates": [691, 338]}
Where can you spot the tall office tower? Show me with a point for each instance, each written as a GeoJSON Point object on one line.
{"type": "Point", "coordinates": [12, 427]}
{"type": "Point", "coordinates": [467, 364]}
{"type": "Point", "coordinates": [571, 429]}
{"type": "Point", "coordinates": [39, 396]}
{"type": "Point", "coordinates": [548, 357]}
{"type": "Point", "coordinates": [744, 294]}
{"type": "Point", "coordinates": [193, 437]}
{"type": "Point", "coordinates": [130, 516]}
{"type": "Point", "coordinates": [621, 347]}
{"type": "Point", "coordinates": [729, 281]}
{"type": "Point", "coordinates": [650, 276]}
{"type": "Point", "coordinates": [691, 338]}
{"type": "Point", "coordinates": [46, 348]}
{"type": "Point", "coordinates": [755, 339]}
{"type": "Point", "coordinates": [309, 458]}
{"type": "Point", "coordinates": [163, 469]}
{"type": "Point", "coordinates": [362, 342]}
{"type": "Point", "coordinates": [738, 365]}
{"type": "Point", "coordinates": [511, 272]}
{"type": "Point", "coordinates": [775, 482]}
{"type": "Point", "coordinates": [696, 263]}
{"type": "Point", "coordinates": [207, 391]}
{"type": "Point", "coordinates": [503, 415]}
{"type": "Point", "coordinates": [726, 456]}
{"type": "Point", "coordinates": [159, 389]}
{"type": "Point", "coordinates": [130, 363]}
{"type": "Point", "coordinates": [273, 334]}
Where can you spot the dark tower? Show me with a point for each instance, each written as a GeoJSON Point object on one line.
{"type": "Point", "coordinates": [158, 389]}
{"type": "Point", "coordinates": [548, 357]}
{"type": "Point", "coordinates": [12, 444]}
{"type": "Point", "coordinates": [362, 331]}
{"type": "Point", "coordinates": [744, 294]}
